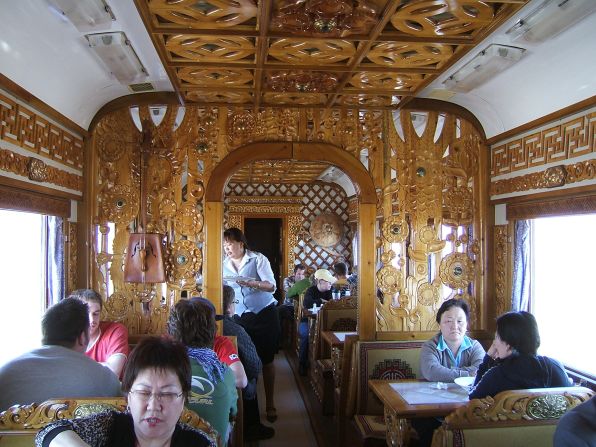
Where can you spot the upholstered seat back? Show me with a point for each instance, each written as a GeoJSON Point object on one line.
{"type": "Point", "coordinates": [390, 360]}
{"type": "Point", "coordinates": [516, 418]}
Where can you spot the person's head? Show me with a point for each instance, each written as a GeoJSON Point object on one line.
{"type": "Point", "coordinates": [66, 324]}
{"type": "Point", "coordinates": [452, 317]}
{"type": "Point", "coordinates": [156, 381]}
{"type": "Point", "coordinates": [192, 322]}
{"type": "Point", "coordinates": [93, 300]}
{"type": "Point", "coordinates": [229, 300]}
{"type": "Point", "coordinates": [340, 270]}
{"type": "Point", "coordinates": [235, 243]}
{"type": "Point", "coordinates": [324, 280]}
{"type": "Point", "coordinates": [516, 332]}
{"type": "Point", "coordinates": [299, 272]}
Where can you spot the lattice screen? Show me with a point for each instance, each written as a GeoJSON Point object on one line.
{"type": "Point", "coordinates": [317, 198]}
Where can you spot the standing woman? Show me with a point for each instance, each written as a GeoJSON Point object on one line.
{"type": "Point", "coordinates": [255, 304]}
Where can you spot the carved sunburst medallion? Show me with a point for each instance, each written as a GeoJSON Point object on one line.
{"type": "Point", "coordinates": [120, 204]}
{"type": "Point", "coordinates": [456, 270]}
{"type": "Point", "coordinates": [389, 280]}
{"type": "Point", "coordinates": [395, 229]}
{"type": "Point", "coordinates": [184, 261]}
{"type": "Point", "coordinates": [116, 306]}
{"type": "Point", "coordinates": [189, 221]}
{"type": "Point", "coordinates": [428, 294]}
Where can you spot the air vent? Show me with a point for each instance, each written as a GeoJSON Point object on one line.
{"type": "Point", "coordinates": [142, 87]}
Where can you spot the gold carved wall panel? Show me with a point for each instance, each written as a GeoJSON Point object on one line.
{"type": "Point", "coordinates": [503, 259]}
{"type": "Point", "coordinates": [428, 241]}
{"type": "Point", "coordinates": [429, 236]}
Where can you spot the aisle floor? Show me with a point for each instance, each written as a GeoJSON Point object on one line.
{"type": "Point", "coordinates": [293, 427]}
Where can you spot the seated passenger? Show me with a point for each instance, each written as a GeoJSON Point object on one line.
{"type": "Point", "coordinates": [108, 341]}
{"type": "Point", "coordinates": [156, 382]}
{"type": "Point", "coordinates": [451, 353]}
{"type": "Point", "coordinates": [296, 284]}
{"type": "Point", "coordinates": [213, 392]}
{"type": "Point", "coordinates": [511, 362]}
{"type": "Point", "coordinates": [59, 368]}
{"type": "Point", "coordinates": [318, 294]}
{"type": "Point", "coordinates": [254, 430]}
{"type": "Point", "coordinates": [342, 285]}
{"type": "Point", "coordinates": [225, 349]}
{"type": "Point", "coordinates": [577, 427]}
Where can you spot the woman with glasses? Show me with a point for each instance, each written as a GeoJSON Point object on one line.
{"type": "Point", "coordinates": [157, 380]}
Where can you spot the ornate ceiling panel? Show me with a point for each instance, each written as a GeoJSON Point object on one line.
{"type": "Point", "coordinates": [326, 53]}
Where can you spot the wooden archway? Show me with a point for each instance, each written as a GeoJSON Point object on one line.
{"type": "Point", "coordinates": [312, 152]}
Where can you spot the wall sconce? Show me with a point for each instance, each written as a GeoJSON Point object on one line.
{"type": "Point", "coordinates": [492, 60]}
{"type": "Point", "coordinates": [550, 18]}
{"type": "Point", "coordinates": [85, 15]}
{"type": "Point", "coordinates": [118, 55]}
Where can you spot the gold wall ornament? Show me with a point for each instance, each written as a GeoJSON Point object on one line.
{"type": "Point", "coordinates": [241, 126]}
{"type": "Point", "coordinates": [456, 270]}
{"type": "Point", "coordinates": [458, 206]}
{"type": "Point", "coordinates": [183, 262]}
{"type": "Point", "coordinates": [389, 280]}
{"type": "Point", "coordinates": [547, 407]}
{"type": "Point", "coordinates": [395, 229]}
{"type": "Point", "coordinates": [326, 229]}
{"type": "Point", "coordinates": [37, 170]}
{"type": "Point", "coordinates": [428, 294]}
{"type": "Point", "coordinates": [189, 222]}
{"type": "Point", "coordinates": [117, 306]}
{"type": "Point", "coordinates": [502, 257]}
{"type": "Point", "coordinates": [119, 204]}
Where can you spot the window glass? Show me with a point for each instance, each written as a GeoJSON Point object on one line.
{"type": "Point", "coordinates": [563, 293]}
{"type": "Point", "coordinates": [22, 285]}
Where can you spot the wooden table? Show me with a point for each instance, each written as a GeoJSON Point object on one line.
{"type": "Point", "coordinates": [335, 339]}
{"type": "Point", "coordinates": [406, 399]}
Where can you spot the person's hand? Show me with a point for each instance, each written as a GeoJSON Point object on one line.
{"type": "Point", "coordinates": [492, 352]}
{"type": "Point", "coordinates": [244, 283]}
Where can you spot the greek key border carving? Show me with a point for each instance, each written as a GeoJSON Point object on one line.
{"type": "Point", "coordinates": [559, 142]}
{"type": "Point", "coordinates": [23, 127]}
{"type": "Point", "coordinates": [36, 170]}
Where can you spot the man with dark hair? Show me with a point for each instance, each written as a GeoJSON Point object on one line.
{"type": "Point", "coordinates": [108, 340]}
{"type": "Point", "coordinates": [213, 393]}
{"type": "Point", "coordinates": [59, 368]}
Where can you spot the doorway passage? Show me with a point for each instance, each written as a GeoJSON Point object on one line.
{"type": "Point", "coordinates": [265, 236]}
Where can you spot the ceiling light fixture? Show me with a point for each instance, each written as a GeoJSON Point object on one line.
{"type": "Point", "coordinates": [85, 15]}
{"type": "Point", "coordinates": [550, 19]}
{"type": "Point", "coordinates": [492, 60]}
{"type": "Point", "coordinates": [118, 55]}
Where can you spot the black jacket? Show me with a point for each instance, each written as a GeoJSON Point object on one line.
{"type": "Point", "coordinates": [517, 372]}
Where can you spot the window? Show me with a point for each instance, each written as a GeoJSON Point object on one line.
{"type": "Point", "coordinates": [563, 296]}
{"type": "Point", "coordinates": [22, 290]}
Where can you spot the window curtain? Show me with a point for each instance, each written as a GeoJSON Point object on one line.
{"type": "Point", "coordinates": [55, 262]}
{"type": "Point", "coordinates": [520, 296]}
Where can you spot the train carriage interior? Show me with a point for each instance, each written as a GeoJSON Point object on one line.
{"type": "Point", "coordinates": [440, 149]}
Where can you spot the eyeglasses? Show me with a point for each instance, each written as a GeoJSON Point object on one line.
{"type": "Point", "coordinates": [145, 395]}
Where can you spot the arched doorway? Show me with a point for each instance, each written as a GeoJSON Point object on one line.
{"type": "Point", "coordinates": [314, 152]}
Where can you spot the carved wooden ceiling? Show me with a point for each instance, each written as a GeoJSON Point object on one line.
{"type": "Point", "coordinates": [279, 171]}
{"type": "Point", "coordinates": [314, 53]}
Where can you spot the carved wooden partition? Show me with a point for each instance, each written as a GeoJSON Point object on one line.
{"type": "Point", "coordinates": [421, 197]}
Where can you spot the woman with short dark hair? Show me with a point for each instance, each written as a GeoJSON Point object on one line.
{"type": "Point", "coordinates": [512, 363]}
{"type": "Point", "coordinates": [451, 353]}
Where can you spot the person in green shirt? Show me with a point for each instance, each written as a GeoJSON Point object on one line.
{"type": "Point", "coordinates": [213, 393]}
